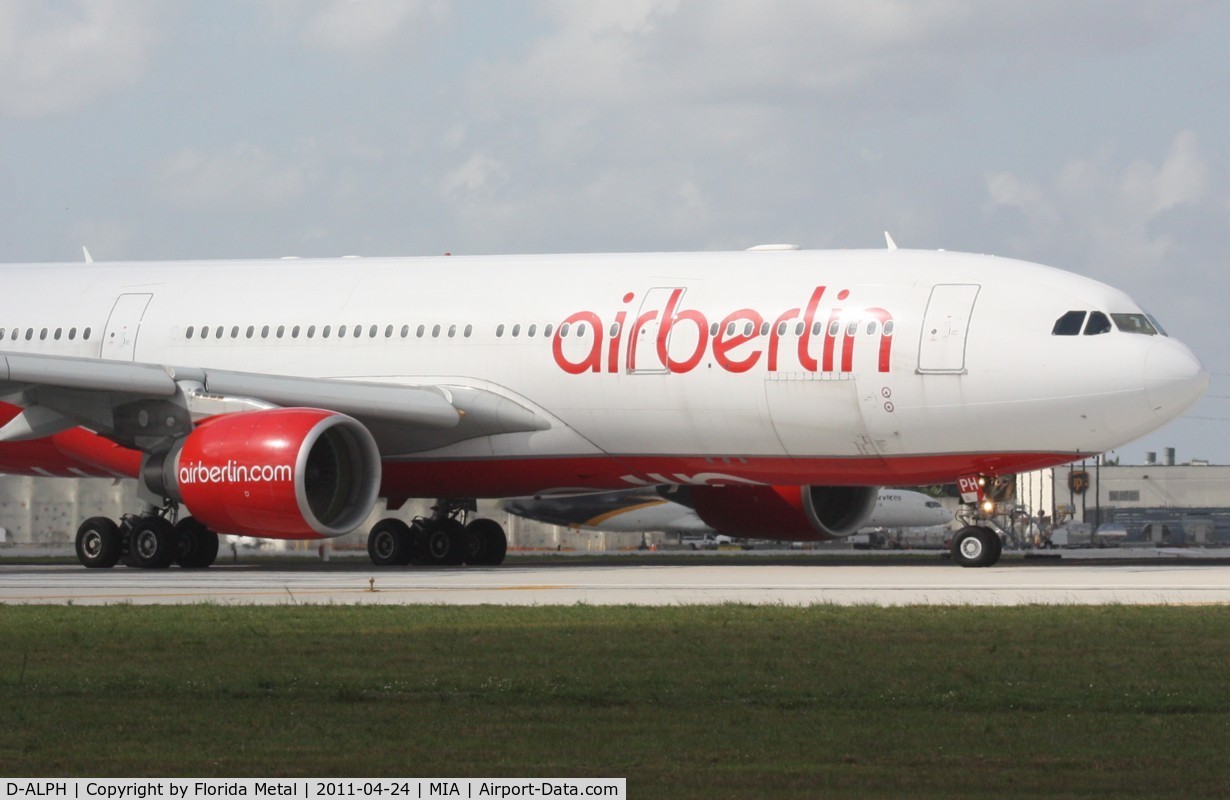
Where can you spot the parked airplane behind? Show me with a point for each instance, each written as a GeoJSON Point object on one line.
{"type": "Point", "coordinates": [281, 398]}
{"type": "Point", "coordinates": [636, 510]}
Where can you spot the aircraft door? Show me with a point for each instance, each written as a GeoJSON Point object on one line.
{"type": "Point", "coordinates": [643, 341]}
{"type": "Point", "coordinates": [120, 338]}
{"type": "Point", "coordinates": [941, 347]}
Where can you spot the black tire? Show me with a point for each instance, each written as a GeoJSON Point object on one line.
{"type": "Point", "coordinates": [98, 543]}
{"type": "Point", "coordinates": [445, 543]}
{"type": "Point", "coordinates": [388, 544]}
{"type": "Point", "coordinates": [975, 546]}
{"type": "Point", "coordinates": [488, 545]}
{"type": "Point", "coordinates": [152, 543]}
{"type": "Point", "coordinates": [197, 547]}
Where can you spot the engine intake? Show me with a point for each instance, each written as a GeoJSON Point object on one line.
{"type": "Point", "coordinates": [288, 473]}
{"type": "Point", "coordinates": [785, 513]}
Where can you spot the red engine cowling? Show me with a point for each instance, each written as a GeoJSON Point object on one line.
{"type": "Point", "coordinates": [786, 513]}
{"type": "Point", "coordinates": [286, 473]}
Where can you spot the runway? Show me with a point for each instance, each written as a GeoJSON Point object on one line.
{"type": "Point", "coordinates": [634, 583]}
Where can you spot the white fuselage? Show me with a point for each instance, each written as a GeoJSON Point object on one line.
{"type": "Point", "coordinates": [858, 367]}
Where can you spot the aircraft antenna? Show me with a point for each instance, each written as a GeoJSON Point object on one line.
{"type": "Point", "coordinates": [889, 239]}
{"type": "Point", "coordinates": [89, 259]}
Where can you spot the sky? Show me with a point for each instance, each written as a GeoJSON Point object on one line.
{"type": "Point", "coordinates": [1092, 136]}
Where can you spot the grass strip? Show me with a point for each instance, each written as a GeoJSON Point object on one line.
{"type": "Point", "coordinates": [693, 701]}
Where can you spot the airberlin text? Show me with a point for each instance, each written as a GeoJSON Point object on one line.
{"type": "Point", "coordinates": [738, 343]}
{"type": "Point", "coordinates": [230, 472]}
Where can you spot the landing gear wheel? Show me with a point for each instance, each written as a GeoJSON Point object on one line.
{"type": "Point", "coordinates": [446, 543]}
{"type": "Point", "coordinates": [389, 543]}
{"type": "Point", "coordinates": [487, 543]}
{"type": "Point", "coordinates": [98, 543]}
{"type": "Point", "coordinates": [976, 546]}
{"type": "Point", "coordinates": [152, 543]}
{"type": "Point", "coordinates": [197, 547]}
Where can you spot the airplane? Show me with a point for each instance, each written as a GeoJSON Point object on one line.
{"type": "Point", "coordinates": [637, 510]}
{"type": "Point", "coordinates": [779, 386]}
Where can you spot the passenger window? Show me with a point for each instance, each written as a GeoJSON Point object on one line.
{"type": "Point", "coordinates": [713, 329]}
{"type": "Point", "coordinates": [851, 329]}
{"type": "Point", "coordinates": [452, 331]}
{"type": "Point", "coordinates": [435, 331]}
{"type": "Point", "coordinates": [1098, 323]}
{"type": "Point", "coordinates": [59, 331]}
{"type": "Point", "coordinates": [281, 331]}
{"type": "Point", "coordinates": [86, 334]}
{"type": "Point", "coordinates": [405, 331]}
{"type": "Point", "coordinates": [563, 330]}
{"type": "Point", "coordinates": [294, 332]}
{"type": "Point", "coordinates": [388, 332]}
{"type": "Point", "coordinates": [72, 334]}
{"type": "Point", "coordinates": [532, 330]}
{"type": "Point", "coordinates": [251, 330]}
{"type": "Point", "coordinates": [581, 329]}
{"type": "Point", "coordinates": [188, 333]}
{"type": "Point", "coordinates": [265, 332]}
{"type": "Point", "coordinates": [1069, 324]}
{"type": "Point", "coordinates": [871, 328]}
{"type": "Point", "coordinates": [311, 331]}
{"type": "Point", "coordinates": [499, 331]}
{"type": "Point", "coordinates": [469, 329]}
{"type": "Point", "coordinates": [546, 332]}
{"type": "Point", "coordinates": [888, 328]}
{"type": "Point", "coordinates": [235, 332]}
{"type": "Point", "coordinates": [834, 327]}
{"type": "Point", "coordinates": [764, 328]}
{"type": "Point", "coordinates": [799, 328]}
{"type": "Point", "coordinates": [324, 334]}
{"type": "Point", "coordinates": [421, 330]}
{"type": "Point", "coordinates": [781, 329]}
{"type": "Point", "coordinates": [372, 331]}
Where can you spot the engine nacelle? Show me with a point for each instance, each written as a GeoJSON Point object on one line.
{"type": "Point", "coordinates": [785, 513]}
{"type": "Point", "coordinates": [285, 473]}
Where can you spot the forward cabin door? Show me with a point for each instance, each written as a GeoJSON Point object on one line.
{"type": "Point", "coordinates": [941, 348]}
{"type": "Point", "coordinates": [120, 338]}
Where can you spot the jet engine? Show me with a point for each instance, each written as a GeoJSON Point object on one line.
{"type": "Point", "coordinates": [787, 513]}
{"type": "Point", "coordinates": [286, 473]}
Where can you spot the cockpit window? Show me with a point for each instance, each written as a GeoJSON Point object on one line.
{"type": "Point", "coordinates": [1098, 323]}
{"type": "Point", "coordinates": [1134, 323]}
{"type": "Point", "coordinates": [1069, 324]}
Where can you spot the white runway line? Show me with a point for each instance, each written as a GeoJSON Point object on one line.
{"type": "Point", "coordinates": [633, 584]}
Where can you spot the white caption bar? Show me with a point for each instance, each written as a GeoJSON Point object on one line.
{"type": "Point", "coordinates": [310, 789]}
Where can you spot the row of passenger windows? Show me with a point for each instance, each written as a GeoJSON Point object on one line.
{"type": "Point", "coordinates": [326, 332]}
{"type": "Point", "coordinates": [452, 331]}
{"type": "Point", "coordinates": [1093, 323]}
{"type": "Point", "coordinates": [43, 334]}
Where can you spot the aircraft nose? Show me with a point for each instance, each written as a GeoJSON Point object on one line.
{"type": "Point", "coordinates": [1174, 378]}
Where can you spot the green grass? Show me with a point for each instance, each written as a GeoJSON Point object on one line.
{"type": "Point", "coordinates": [704, 701]}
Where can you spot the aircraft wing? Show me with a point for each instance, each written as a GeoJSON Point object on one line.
{"type": "Point", "coordinates": [140, 405]}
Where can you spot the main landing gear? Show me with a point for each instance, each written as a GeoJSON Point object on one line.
{"type": "Point", "coordinates": [147, 541]}
{"type": "Point", "coordinates": [976, 546]}
{"type": "Point", "coordinates": [443, 539]}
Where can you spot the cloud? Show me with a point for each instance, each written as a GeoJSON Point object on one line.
{"type": "Point", "coordinates": [56, 57]}
{"type": "Point", "coordinates": [363, 27]}
{"type": "Point", "coordinates": [241, 177]}
{"type": "Point", "coordinates": [1107, 211]}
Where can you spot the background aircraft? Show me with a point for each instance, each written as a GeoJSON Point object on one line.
{"type": "Point", "coordinates": [635, 510]}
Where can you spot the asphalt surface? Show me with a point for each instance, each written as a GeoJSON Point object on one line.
{"type": "Point", "coordinates": [634, 581]}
